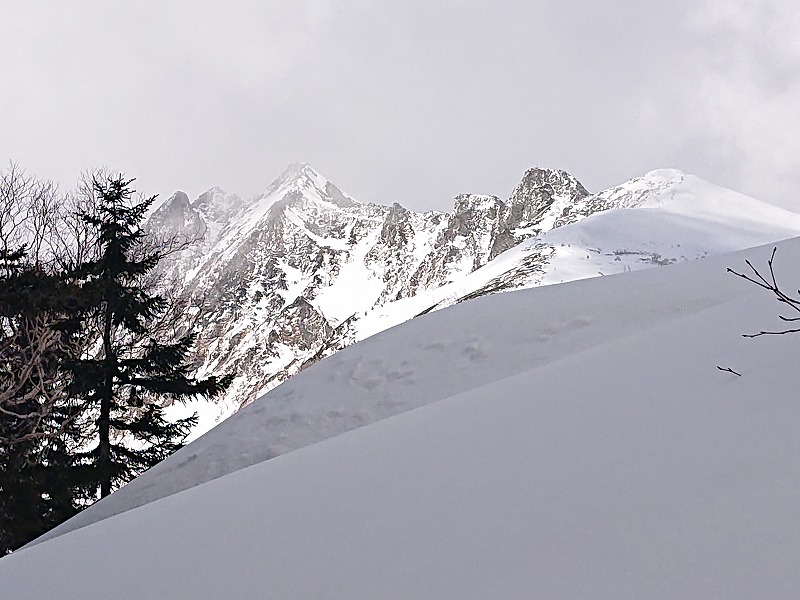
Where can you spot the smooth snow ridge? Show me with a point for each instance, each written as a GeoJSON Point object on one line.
{"type": "Point", "coordinates": [584, 444]}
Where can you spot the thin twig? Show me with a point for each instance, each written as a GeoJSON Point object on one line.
{"type": "Point", "coordinates": [729, 370]}
{"type": "Point", "coordinates": [771, 284]}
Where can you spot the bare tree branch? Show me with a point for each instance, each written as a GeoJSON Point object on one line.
{"type": "Point", "coordinates": [729, 370]}
{"type": "Point", "coordinates": [770, 282]}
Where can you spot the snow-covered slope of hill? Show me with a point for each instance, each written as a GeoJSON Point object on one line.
{"type": "Point", "coordinates": [304, 270]}
{"type": "Point", "coordinates": [577, 441]}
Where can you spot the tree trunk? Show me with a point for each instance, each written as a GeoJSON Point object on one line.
{"type": "Point", "coordinates": [104, 422]}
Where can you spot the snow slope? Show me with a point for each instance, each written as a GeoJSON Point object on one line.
{"type": "Point", "coordinates": [600, 453]}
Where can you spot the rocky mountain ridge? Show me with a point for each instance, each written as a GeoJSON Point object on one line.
{"type": "Point", "coordinates": [303, 270]}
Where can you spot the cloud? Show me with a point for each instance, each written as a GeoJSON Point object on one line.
{"type": "Point", "coordinates": [249, 43]}
{"type": "Point", "coordinates": [734, 107]}
{"type": "Point", "coordinates": [412, 101]}
{"type": "Point", "coordinates": [155, 89]}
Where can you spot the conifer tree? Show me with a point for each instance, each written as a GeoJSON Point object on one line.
{"type": "Point", "coordinates": [39, 425]}
{"type": "Point", "coordinates": [133, 372]}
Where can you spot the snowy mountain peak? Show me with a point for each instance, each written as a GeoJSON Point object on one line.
{"type": "Point", "coordinates": [665, 175]}
{"type": "Point", "coordinates": [298, 170]}
{"type": "Point", "coordinates": [297, 176]}
{"type": "Point", "coordinates": [397, 226]}
{"type": "Point", "coordinates": [543, 195]}
{"type": "Point", "coordinates": [175, 216]}
{"type": "Point", "coordinates": [464, 203]}
{"type": "Point", "coordinates": [538, 183]}
{"type": "Point", "coordinates": [217, 206]}
{"type": "Point", "coordinates": [179, 198]}
{"type": "Point", "coordinates": [176, 204]}
{"type": "Point", "coordinates": [300, 184]}
{"type": "Point", "coordinates": [304, 270]}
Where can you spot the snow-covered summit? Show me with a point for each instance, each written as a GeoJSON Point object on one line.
{"type": "Point", "coordinates": [297, 174]}
{"type": "Point", "coordinates": [302, 180]}
{"type": "Point", "coordinates": [667, 175]}
{"type": "Point", "coordinates": [543, 195]}
{"type": "Point", "coordinates": [217, 206]}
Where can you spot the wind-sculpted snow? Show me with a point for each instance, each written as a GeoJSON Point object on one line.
{"type": "Point", "coordinates": [600, 453]}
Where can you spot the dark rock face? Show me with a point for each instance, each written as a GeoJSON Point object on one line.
{"type": "Point", "coordinates": [538, 190]}
{"type": "Point", "coordinates": [397, 228]}
{"type": "Point", "coordinates": [299, 324]}
{"type": "Point", "coordinates": [285, 278]}
{"type": "Point", "coordinates": [176, 218]}
{"type": "Point", "coordinates": [536, 204]}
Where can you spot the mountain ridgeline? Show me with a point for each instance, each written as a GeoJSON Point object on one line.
{"type": "Point", "coordinates": [284, 277]}
{"type": "Point", "coordinates": [289, 277]}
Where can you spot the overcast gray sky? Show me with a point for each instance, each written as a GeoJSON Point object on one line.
{"type": "Point", "coordinates": [412, 101]}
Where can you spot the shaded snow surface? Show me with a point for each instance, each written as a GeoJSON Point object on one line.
{"type": "Point", "coordinates": [584, 445]}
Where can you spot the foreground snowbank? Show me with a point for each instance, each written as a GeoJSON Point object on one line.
{"type": "Point", "coordinates": [612, 459]}
{"type": "Point", "coordinates": [427, 359]}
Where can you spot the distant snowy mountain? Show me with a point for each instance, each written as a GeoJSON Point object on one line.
{"type": "Point", "coordinates": [286, 277]}
{"type": "Point", "coordinates": [570, 441]}
{"type": "Point", "coordinates": [304, 270]}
